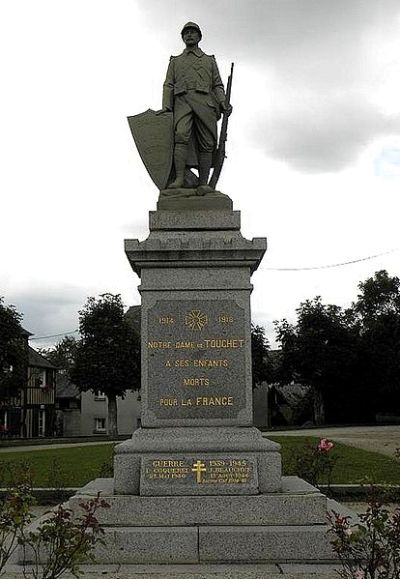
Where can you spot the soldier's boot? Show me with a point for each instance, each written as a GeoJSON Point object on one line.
{"type": "Point", "coordinates": [205, 162]}
{"type": "Point", "coordinates": [180, 153]}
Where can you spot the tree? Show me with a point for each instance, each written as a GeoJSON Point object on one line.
{"type": "Point", "coordinates": [13, 351]}
{"type": "Point", "coordinates": [62, 355]}
{"type": "Point", "coordinates": [319, 350]}
{"type": "Point", "coordinates": [108, 354]}
{"type": "Point", "coordinates": [378, 312]}
{"type": "Point", "coordinates": [261, 362]}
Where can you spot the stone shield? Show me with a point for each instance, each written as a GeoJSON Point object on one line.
{"type": "Point", "coordinates": [154, 138]}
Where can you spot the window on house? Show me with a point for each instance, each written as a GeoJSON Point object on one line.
{"type": "Point", "coordinates": [99, 395]}
{"type": "Point", "coordinates": [39, 378]}
{"type": "Point", "coordinates": [50, 375]}
{"type": "Point", "coordinates": [100, 424]}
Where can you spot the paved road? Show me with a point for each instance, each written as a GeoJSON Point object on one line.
{"type": "Point", "coordinates": [382, 439]}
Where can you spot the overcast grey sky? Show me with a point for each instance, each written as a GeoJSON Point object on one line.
{"type": "Point", "coordinates": [313, 152]}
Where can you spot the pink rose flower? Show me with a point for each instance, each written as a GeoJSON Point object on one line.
{"type": "Point", "coordinates": [325, 445]}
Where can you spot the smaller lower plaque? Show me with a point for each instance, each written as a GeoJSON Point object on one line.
{"type": "Point", "coordinates": [163, 475]}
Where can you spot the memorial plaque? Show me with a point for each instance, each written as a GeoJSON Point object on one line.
{"type": "Point", "coordinates": [198, 475]}
{"type": "Point", "coordinates": [196, 359]}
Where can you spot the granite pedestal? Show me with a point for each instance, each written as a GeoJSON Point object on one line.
{"type": "Point", "coordinates": [197, 483]}
{"type": "Point", "coordinates": [197, 435]}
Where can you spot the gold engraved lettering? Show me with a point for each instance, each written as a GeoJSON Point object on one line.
{"type": "Point", "coordinates": [187, 402]}
{"type": "Point", "coordinates": [199, 467]}
{"type": "Point", "coordinates": [154, 344]}
{"type": "Point", "coordinates": [182, 363]}
{"type": "Point", "coordinates": [196, 381]}
{"type": "Point", "coordinates": [165, 463]}
{"type": "Point", "coordinates": [168, 402]}
{"type": "Point", "coordinates": [225, 319]}
{"type": "Point", "coordinates": [166, 320]}
{"type": "Point", "coordinates": [217, 462]}
{"type": "Point", "coordinates": [215, 471]}
{"type": "Point", "coordinates": [214, 401]}
{"type": "Point", "coordinates": [185, 345]}
{"type": "Point", "coordinates": [224, 343]}
{"type": "Point", "coordinates": [210, 363]}
{"type": "Point", "coordinates": [168, 364]}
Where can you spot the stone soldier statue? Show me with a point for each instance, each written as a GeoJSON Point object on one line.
{"type": "Point", "coordinates": [194, 92]}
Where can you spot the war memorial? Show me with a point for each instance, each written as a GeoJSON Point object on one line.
{"type": "Point", "coordinates": [197, 483]}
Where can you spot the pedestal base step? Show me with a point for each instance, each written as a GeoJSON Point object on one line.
{"type": "Point", "coordinates": [283, 527]}
{"type": "Point", "coordinates": [297, 503]}
{"type": "Point", "coordinates": [184, 545]}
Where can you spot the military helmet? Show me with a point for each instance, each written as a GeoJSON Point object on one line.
{"type": "Point", "coordinates": [192, 25]}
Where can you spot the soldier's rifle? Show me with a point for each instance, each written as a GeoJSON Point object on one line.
{"type": "Point", "coordinates": [220, 153]}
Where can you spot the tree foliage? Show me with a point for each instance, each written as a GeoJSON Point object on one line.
{"type": "Point", "coordinates": [62, 355]}
{"type": "Point", "coordinates": [378, 312]}
{"type": "Point", "coordinates": [262, 369]}
{"type": "Point", "coordinates": [107, 356]}
{"type": "Point", "coordinates": [13, 351]}
{"type": "Point", "coordinates": [350, 357]}
{"type": "Point", "coordinates": [319, 350]}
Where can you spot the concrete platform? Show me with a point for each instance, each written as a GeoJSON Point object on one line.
{"type": "Point", "coordinates": [280, 528]}
{"type": "Point", "coordinates": [258, 571]}
{"type": "Point", "coordinates": [297, 503]}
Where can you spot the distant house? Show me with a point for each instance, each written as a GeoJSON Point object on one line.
{"type": "Point", "coordinates": [38, 397]}
{"type": "Point", "coordinates": [86, 414]}
{"type": "Point", "coordinates": [30, 410]}
{"type": "Point", "coordinates": [94, 414]}
{"type": "Point", "coordinates": [68, 407]}
{"type": "Point", "coordinates": [11, 403]}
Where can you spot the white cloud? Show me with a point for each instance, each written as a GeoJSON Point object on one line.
{"type": "Point", "coordinates": [312, 151]}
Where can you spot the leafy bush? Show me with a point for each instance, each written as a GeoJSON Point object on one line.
{"type": "Point", "coordinates": [15, 515]}
{"type": "Point", "coordinates": [314, 462]}
{"type": "Point", "coordinates": [369, 549]}
{"type": "Point", "coordinates": [62, 542]}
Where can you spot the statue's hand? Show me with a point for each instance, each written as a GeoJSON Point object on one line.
{"type": "Point", "coordinates": [226, 109]}
{"type": "Point", "coordinates": [161, 111]}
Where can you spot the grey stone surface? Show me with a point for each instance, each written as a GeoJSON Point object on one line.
{"type": "Point", "coordinates": [310, 569]}
{"type": "Point", "coordinates": [192, 281]}
{"type": "Point", "coordinates": [229, 439]}
{"type": "Point", "coordinates": [294, 505]}
{"type": "Point", "coordinates": [184, 271]}
{"type": "Point", "coordinates": [266, 543]}
{"type": "Point", "coordinates": [207, 571]}
{"type": "Point", "coordinates": [196, 359]}
{"type": "Point", "coordinates": [210, 202]}
{"type": "Point", "coordinates": [194, 249]}
{"type": "Point", "coordinates": [270, 472]}
{"type": "Point", "coordinates": [215, 474]}
{"type": "Point", "coordinates": [199, 443]}
{"type": "Point", "coordinates": [154, 545]}
{"type": "Point", "coordinates": [127, 474]}
{"type": "Point", "coordinates": [190, 220]}
{"type": "Point", "coordinates": [284, 527]}
{"type": "Point", "coordinates": [232, 383]}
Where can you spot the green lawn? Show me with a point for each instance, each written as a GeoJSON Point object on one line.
{"type": "Point", "coordinates": [353, 465]}
{"type": "Point", "coordinates": [68, 467]}
{"type": "Point", "coordinates": [75, 466]}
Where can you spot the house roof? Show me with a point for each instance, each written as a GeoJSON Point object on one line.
{"type": "Point", "coordinates": [65, 388]}
{"type": "Point", "coordinates": [36, 359]}
{"type": "Point", "coordinates": [25, 332]}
